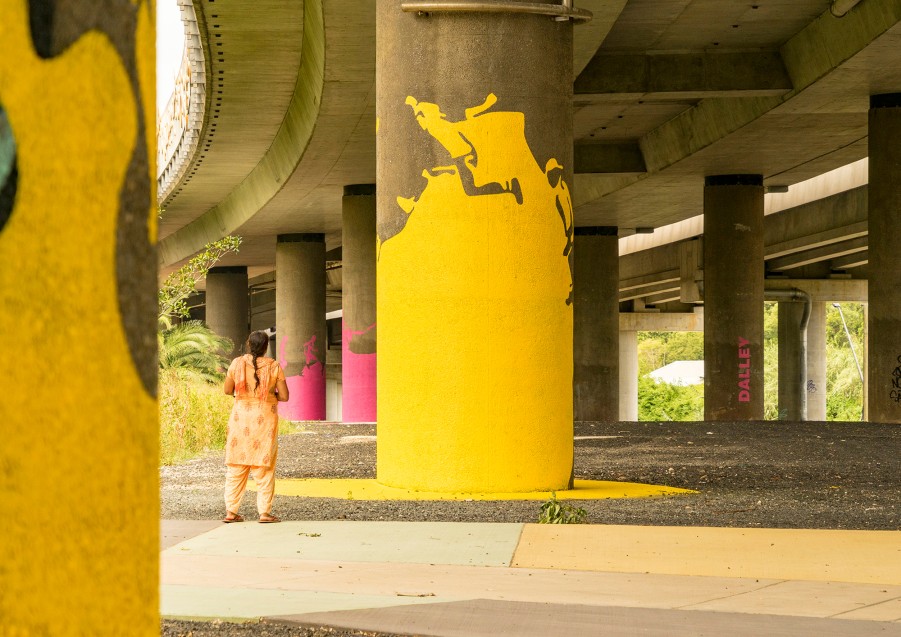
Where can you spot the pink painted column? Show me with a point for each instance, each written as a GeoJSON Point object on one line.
{"type": "Point", "coordinates": [358, 340]}
{"type": "Point", "coordinates": [300, 323]}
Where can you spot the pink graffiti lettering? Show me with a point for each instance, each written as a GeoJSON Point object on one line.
{"type": "Point", "coordinates": [309, 352]}
{"type": "Point", "coordinates": [744, 370]}
{"type": "Point", "coordinates": [350, 334]}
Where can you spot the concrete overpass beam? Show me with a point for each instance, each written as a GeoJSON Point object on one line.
{"type": "Point", "coordinates": [692, 75]}
{"type": "Point", "coordinates": [228, 305]}
{"type": "Point", "coordinates": [884, 324]}
{"type": "Point", "coordinates": [623, 157]}
{"type": "Point", "coordinates": [475, 256]}
{"type": "Point", "coordinates": [300, 323]}
{"type": "Point", "coordinates": [596, 324]}
{"type": "Point", "coordinates": [358, 340]}
{"type": "Point", "coordinates": [733, 297]}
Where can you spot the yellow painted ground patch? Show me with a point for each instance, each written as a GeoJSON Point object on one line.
{"type": "Point", "coordinates": [371, 490]}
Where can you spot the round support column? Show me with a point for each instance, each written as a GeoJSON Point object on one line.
{"type": "Point", "coordinates": [475, 227]}
{"type": "Point", "coordinates": [300, 323]}
{"type": "Point", "coordinates": [816, 362]}
{"type": "Point", "coordinates": [358, 342]}
{"type": "Point", "coordinates": [596, 324]}
{"type": "Point", "coordinates": [228, 305]}
{"type": "Point", "coordinates": [628, 376]}
{"type": "Point", "coordinates": [883, 364]}
{"type": "Point", "coordinates": [733, 297]}
{"type": "Point", "coordinates": [792, 392]}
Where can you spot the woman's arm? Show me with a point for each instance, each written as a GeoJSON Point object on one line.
{"type": "Point", "coordinates": [229, 387]}
{"type": "Point", "coordinates": [281, 390]}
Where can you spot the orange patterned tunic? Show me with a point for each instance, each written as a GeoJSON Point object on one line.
{"type": "Point", "coordinates": [252, 437]}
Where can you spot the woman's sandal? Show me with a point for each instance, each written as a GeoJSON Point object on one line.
{"type": "Point", "coordinates": [266, 518]}
{"type": "Point", "coordinates": [232, 517]}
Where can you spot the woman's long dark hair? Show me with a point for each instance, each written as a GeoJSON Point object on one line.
{"type": "Point", "coordinates": [256, 345]}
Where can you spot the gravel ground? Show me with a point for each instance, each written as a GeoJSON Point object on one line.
{"type": "Point", "coordinates": [760, 474]}
{"type": "Point", "coordinates": [771, 474]}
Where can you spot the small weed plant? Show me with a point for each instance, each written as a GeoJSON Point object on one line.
{"type": "Point", "coordinates": [555, 512]}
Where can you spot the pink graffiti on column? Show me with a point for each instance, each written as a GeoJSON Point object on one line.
{"type": "Point", "coordinates": [744, 370]}
{"type": "Point", "coordinates": [358, 390]}
{"type": "Point", "coordinates": [307, 389]}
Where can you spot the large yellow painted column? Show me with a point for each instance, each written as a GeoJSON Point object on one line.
{"type": "Point", "coordinates": [475, 230]}
{"type": "Point", "coordinates": [79, 450]}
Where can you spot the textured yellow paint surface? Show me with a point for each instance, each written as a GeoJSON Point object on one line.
{"type": "Point", "coordinates": [475, 333]}
{"type": "Point", "coordinates": [355, 489]}
{"type": "Point", "coordinates": [78, 459]}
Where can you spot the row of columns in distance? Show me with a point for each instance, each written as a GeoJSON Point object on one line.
{"type": "Point", "coordinates": [733, 293]}
{"type": "Point", "coordinates": [605, 358]}
{"type": "Point", "coordinates": [301, 339]}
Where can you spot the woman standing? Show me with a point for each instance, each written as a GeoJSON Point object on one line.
{"type": "Point", "coordinates": [257, 384]}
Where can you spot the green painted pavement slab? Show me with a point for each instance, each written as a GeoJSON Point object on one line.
{"type": "Point", "coordinates": [478, 544]}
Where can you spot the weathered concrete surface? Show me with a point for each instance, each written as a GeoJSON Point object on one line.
{"type": "Point", "coordinates": [228, 305]}
{"type": "Point", "coordinates": [733, 298]}
{"type": "Point", "coordinates": [596, 325]}
{"type": "Point", "coordinates": [301, 337]}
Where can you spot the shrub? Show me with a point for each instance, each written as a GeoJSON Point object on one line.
{"type": "Point", "coordinates": [553, 512]}
{"type": "Point", "coordinates": [193, 416]}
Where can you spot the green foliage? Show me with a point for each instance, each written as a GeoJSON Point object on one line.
{"type": "Point", "coordinates": [554, 512]}
{"type": "Point", "coordinates": [193, 349]}
{"type": "Point", "coordinates": [179, 285]}
{"type": "Point", "coordinates": [658, 402]}
{"type": "Point", "coordinates": [193, 416]}
{"type": "Point", "coordinates": [844, 390]}
{"type": "Point", "coordinates": [843, 387]}
{"type": "Point", "coordinates": [656, 349]}
{"type": "Point", "coordinates": [771, 361]}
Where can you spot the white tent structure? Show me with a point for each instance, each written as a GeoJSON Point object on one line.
{"type": "Point", "coordinates": [681, 373]}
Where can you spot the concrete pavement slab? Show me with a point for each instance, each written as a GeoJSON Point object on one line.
{"type": "Point", "coordinates": [200, 602]}
{"type": "Point", "coordinates": [404, 542]}
{"type": "Point", "coordinates": [452, 581]}
{"type": "Point", "coordinates": [173, 532]}
{"type": "Point", "coordinates": [492, 618]}
{"type": "Point", "coordinates": [796, 554]}
{"type": "Point", "coordinates": [809, 599]}
{"type": "Point", "coordinates": [889, 611]}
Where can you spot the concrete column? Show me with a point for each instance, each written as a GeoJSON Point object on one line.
{"type": "Point", "coordinates": [300, 323]}
{"type": "Point", "coordinates": [78, 221]}
{"type": "Point", "coordinates": [865, 415]}
{"type": "Point", "coordinates": [792, 377]}
{"type": "Point", "coordinates": [628, 376]}
{"type": "Point", "coordinates": [596, 324]}
{"type": "Point", "coordinates": [474, 169]}
{"type": "Point", "coordinates": [816, 362]}
{"type": "Point", "coordinates": [733, 297]}
{"type": "Point", "coordinates": [358, 342]}
{"type": "Point", "coordinates": [228, 305]}
{"type": "Point", "coordinates": [883, 362]}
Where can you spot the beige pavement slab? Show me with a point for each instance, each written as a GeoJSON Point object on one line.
{"type": "Point", "coordinates": [173, 532]}
{"type": "Point", "coordinates": [889, 611]}
{"type": "Point", "coordinates": [822, 555]}
{"type": "Point", "coordinates": [452, 581]}
{"type": "Point", "coordinates": [199, 602]}
{"type": "Point", "coordinates": [424, 542]}
{"type": "Point", "coordinates": [806, 598]}
{"type": "Point", "coordinates": [490, 618]}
